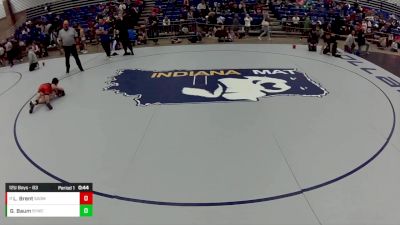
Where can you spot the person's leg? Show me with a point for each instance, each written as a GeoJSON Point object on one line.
{"type": "Point", "coordinates": [74, 53]}
{"type": "Point", "coordinates": [129, 44]}
{"type": "Point", "coordinates": [42, 98]}
{"type": "Point", "coordinates": [33, 66]}
{"type": "Point", "coordinates": [47, 102]}
{"type": "Point", "coordinates": [67, 50]}
{"type": "Point", "coordinates": [114, 45]}
{"type": "Point", "coordinates": [367, 48]}
{"type": "Point", "coordinates": [10, 58]}
{"type": "Point", "coordinates": [106, 47]}
{"type": "Point", "coordinates": [262, 34]}
{"type": "Point", "coordinates": [124, 46]}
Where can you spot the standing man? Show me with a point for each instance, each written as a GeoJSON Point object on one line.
{"type": "Point", "coordinates": [362, 41]}
{"type": "Point", "coordinates": [122, 27]}
{"type": "Point", "coordinates": [153, 27]}
{"type": "Point", "coordinates": [102, 30]}
{"type": "Point", "coordinates": [67, 38]}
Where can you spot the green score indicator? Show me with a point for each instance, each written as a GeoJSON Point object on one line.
{"type": "Point", "coordinates": [86, 211]}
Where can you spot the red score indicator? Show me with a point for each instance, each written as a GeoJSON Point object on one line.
{"type": "Point", "coordinates": [86, 198]}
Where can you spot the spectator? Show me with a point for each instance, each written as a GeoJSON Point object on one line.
{"type": "Point", "coordinates": [202, 8]}
{"type": "Point", "coordinates": [82, 39]}
{"type": "Point", "coordinates": [121, 8]}
{"type": "Point", "coordinates": [394, 47]}
{"type": "Point", "coordinates": [122, 27]}
{"type": "Point", "coordinates": [32, 59]}
{"type": "Point", "coordinates": [307, 25]}
{"type": "Point", "coordinates": [102, 30]}
{"type": "Point", "coordinates": [10, 52]}
{"type": "Point", "coordinates": [349, 44]}
{"type": "Point", "coordinates": [222, 34]}
{"type": "Point", "coordinates": [36, 49]}
{"type": "Point", "coordinates": [166, 24]}
{"type": "Point", "coordinates": [389, 40]}
{"type": "Point", "coordinates": [247, 24]}
{"type": "Point", "coordinates": [295, 21]}
{"type": "Point", "coordinates": [2, 55]}
{"type": "Point", "coordinates": [330, 44]}
{"type": "Point", "coordinates": [220, 20]}
{"type": "Point", "coordinates": [152, 23]}
{"type": "Point", "coordinates": [242, 7]}
{"type": "Point", "coordinates": [166, 21]}
{"type": "Point", "coordinates": [361, 41]}
{"type": "Point", "coordinates": [236, 25]}
{"type": "Point", "coordinates": [142, 36]}
{"type": "Point", "coordinates": [265, 29]}
{"type": "Point", "coordinates": [312, 40]}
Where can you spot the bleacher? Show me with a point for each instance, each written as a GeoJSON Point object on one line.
{"type": "Point", "coordinates": [59, 7]}
{"type": "Point", "coordinates": [320, 13]}
{"type": "Point", "coordinates": [174, 13]}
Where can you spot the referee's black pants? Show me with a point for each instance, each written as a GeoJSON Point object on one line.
{"type": "Point", "coordinates": [107, 47]}
{"type": "Point", "coordinates": [71, 50]}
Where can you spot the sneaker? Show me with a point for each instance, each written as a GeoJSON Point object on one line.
{"type": "Point", "coordinates": [114, 54]}
{"type": "Point", "coordinates": [126, 53]}
{"type": "Point", "coordinates": [31, 106]}
{"type": "Point", "coordinates": [49, 106]}
{"type": "Point", "coordinates": [269, 39]}
{"type": "Point", "coordinates": [259, 38]}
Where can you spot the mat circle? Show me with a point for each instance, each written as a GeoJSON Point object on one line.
{"type": "Point", "coordinates": [225, 203]}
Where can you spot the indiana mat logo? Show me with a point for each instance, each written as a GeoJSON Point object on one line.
{"type": "Point", "coordinates": [218, 85]}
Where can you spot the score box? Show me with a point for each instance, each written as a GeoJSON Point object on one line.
{"type": "Point", "coordinates": [49, 200]}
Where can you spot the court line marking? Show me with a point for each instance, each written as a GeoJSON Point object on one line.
{"type": "Point", "coordinates": [15, 83]}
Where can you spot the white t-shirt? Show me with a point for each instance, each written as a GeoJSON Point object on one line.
{"type": "Point", "coordinates": [220, 20]}
{"type": "Point", "coordinates": [295, 20]}
{"type": "Point", "coordinates": [166, 22]}
{"type": "Point", "coordinates": [247, 21]}
{"type": "Point", "coordinates": [350, 40]}
{"type": "Point", "coordinates": [265, 23]}
{"type": "Point", "coordinates": [2, 51]}
{"type": "Point", "coordinates": [122, 7]}
{"type": "Point", "coordinates": [8, 46]}
{"type": "Point", "coordinates": [394, 46]}
{"type": "Point", "coordinates": [201, 6]}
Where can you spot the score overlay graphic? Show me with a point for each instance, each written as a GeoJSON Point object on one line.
{"type": "Point", "coordinates": [49, 200]}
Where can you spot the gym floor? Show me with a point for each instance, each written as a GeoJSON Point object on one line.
{"type": "Point", "coordinates": [287, 136]}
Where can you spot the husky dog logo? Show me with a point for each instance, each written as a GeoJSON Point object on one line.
{"type": "Point", "coordinates": [201, 86]}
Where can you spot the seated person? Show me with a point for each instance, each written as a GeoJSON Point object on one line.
{"type": "Point", "coordinates": [142, 37]}
{"type": "Point", "coordinates": [32, 59]}
{"type": "Point", "coordinates": [36, 49]}
{"type": "Point", "coordinates": [350, 42]}
{"type": "Point", "coordinates": [330, 44]}
{"type": "Point", "coordinates": [222, 35]}
{"type": "Point", "coordinates": [47, 92]}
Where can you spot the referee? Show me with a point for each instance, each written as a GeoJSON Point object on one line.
{"type": "Point", "coordinates": [67, 36]}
